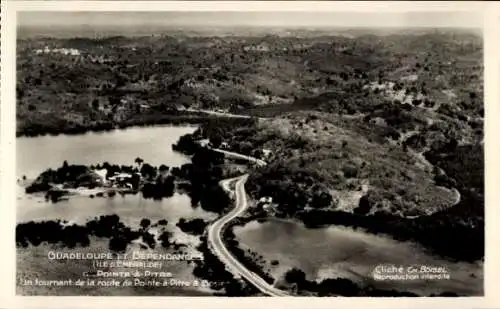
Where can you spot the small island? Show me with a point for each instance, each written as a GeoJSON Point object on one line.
{"type": "Point", "coordinates": [199, 179]}
{"type": "Point", "coordinates": [73, 235]}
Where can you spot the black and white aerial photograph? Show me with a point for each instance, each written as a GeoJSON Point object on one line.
{"type": "Point", "coordinates": [249, 153]}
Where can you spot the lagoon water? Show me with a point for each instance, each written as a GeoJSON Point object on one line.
{"type": "Point", "coordinates": [344, 252]}
{"type": "Point", "coordinates": [321, 253]}
{"type": "Point", "coordinates": [153, 145]}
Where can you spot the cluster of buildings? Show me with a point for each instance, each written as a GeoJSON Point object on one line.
{"type": "Point", "coordinates": [265, 153]}
{"type": "Point", "coordinates": [75, 52]}
{"type": "Point", "coordinates": [263, 47]}
{"type": "Point", "coordinates": [266, 204]}
{"type": "Point", "coordinates": [121, 180]}
{"type": "Point", "coordinates": [206, 143]}
{"type": "Point", "coordinates": [99, 59]}
{"type": "Point", "coordinates": [64, 51]}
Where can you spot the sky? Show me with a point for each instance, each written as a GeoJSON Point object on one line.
{"type": "Point", "coordinates": [234, 19]}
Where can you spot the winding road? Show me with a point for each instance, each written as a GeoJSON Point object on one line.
{"type": "Point", "coordinates": [215, 233]}
{"type": "Point", "coordinates": [259, 162]}
{"type": "Point", "coordinates": [215, 113]}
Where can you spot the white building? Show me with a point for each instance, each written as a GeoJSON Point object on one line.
{"type": "Point", "coordinates": [64, 51]}
{"type": "Point", "coordinates": [204, 142]}
{"type": "Point", "coordinates": [120, 177]}
{"type": "Point", "coordinates": [266, 153]}
{"type": "Point", "coordinates": [102, 174]}
{"type": "Point", "coordinates": [266, 200]}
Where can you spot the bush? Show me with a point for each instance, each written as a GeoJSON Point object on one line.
{"type": "Point", "coordinates": [350, 171]}
{"type": "Point", "coordinates": [118, 244]}
{"type": "Point", "coordinates": [145, 223]}
{"type": "Point", "coordinates": [364, 206]}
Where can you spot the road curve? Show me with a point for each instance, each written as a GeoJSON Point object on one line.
{"type": "Point", "coordinates": [220, 114]}
{"type": "Point", "coordinates": [259, 162]}
{"type": "Point", "coordinates": [218, 247]}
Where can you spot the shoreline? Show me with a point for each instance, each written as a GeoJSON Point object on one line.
{"type": "Point", "coordinates": [72, 132]}
{"type": "Point", "coordinates": [191, 118]}
{"type": "Point", "coordinates": [356, 229]}
{"type": "Point", "coordinates": [265, 266]}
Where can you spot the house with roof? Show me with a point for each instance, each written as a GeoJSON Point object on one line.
{"type": "Point", "coordinates": [101, 173]}
{"type": "Point", "coordinates": [120, 177]}
{"type": "Point", "coordinates": [265, 202]}
{"type": "Point", "coordinates": [204, 142]}
{"type": "Point", "coordinates": [266, 153]}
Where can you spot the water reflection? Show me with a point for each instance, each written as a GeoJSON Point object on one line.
{"type": "Point", "coordinates": [343, 252]}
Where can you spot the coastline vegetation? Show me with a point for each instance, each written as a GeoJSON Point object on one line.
{"type": "Point", "coordinates": [75, 235]}
{"type": "Point", "coordinates": [199, 179]}
{"type": "Point", "coordinates": [195, 226]}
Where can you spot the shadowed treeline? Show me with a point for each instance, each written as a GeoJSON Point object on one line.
{"type": "Point", "coordinates": [71, 236]}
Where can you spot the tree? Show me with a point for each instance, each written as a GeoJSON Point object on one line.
{"type": "Point", "coordinates": [167, 187]}
{"type": "Point", "coordinates": [139, 161]}
{"type": "Point", "coordinates": [95, 104]}
{"type": "Point", "coordinates": [246, 147]}
{"type": "Point", "coordinates": [295, 275]}
{"type": "Point", "coordinates": [135, 181]}
{"type": "Point", "coordinates": [257, 153]}
{"type": "Point", "coordinates": [350, 171]}
{"type": "Point", "coordinates": [145, 223]}
{"type": "Point", "coordinates": [216, 140]}
{"type": "Point", "coordinates": [429, 103]}
{"type": "Point", "coordinates": [165, 239]}
{"type": "Point", "coordinates": [364, 206]}
{"type": "Point", "coordinates": [321, 200]}
{"type": "Point", "coordinates": [186, 144]}
{"type": "Point", "coordinates": [118, 244]}
{"type": "Point", "coordinates": [114, 101]}
{"type": "Point", "coordinates": [148, 171]}
{"type": "Point", "coordinates": [163, 168]}
{"type": "Point", "coordinates": [452, 145]}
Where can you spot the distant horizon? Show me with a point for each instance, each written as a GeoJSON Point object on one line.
{"type": "Point", "coordinates": [226, 23]}
{"type": "Point", "coordinates": [251, 27]}
{"type": "Point", "coordinates": [67, 32]}
{"type": "Point", "coordinates": [305, 19]}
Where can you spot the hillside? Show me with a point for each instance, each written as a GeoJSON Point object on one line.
{"type": "Point", "coordinates": [79, 84]}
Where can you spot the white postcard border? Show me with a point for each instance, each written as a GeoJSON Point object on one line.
{"type": "Point", "coordinates": [491, 34]}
